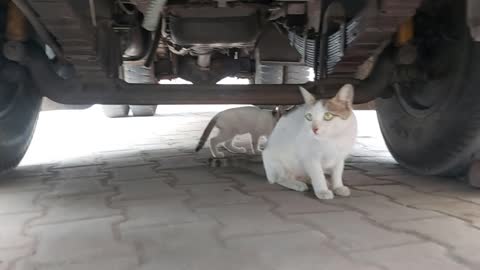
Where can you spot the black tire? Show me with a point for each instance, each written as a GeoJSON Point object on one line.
{"type": "Point", "coordinates": [279, 74]}
{"type": "Point", "coordinates": [115, 111]}
{"type": "Point", "coordinates": [143, 110]}
{"type": "Point", "coordinates": [19, 108]}
{"type": "Point", "coordinates": [437, 134]}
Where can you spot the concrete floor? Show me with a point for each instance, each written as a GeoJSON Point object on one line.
{"type": "Point", "coordinates": [98, 193]}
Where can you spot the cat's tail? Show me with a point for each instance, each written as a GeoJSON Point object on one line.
{"type": "Point", "coordinates": [206, 133]}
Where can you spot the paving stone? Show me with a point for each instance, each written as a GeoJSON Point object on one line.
{"type": "Point", "coordinates": [74, 208]}
{"type": "Point", "coordinates": [79, 186]}
{"type": "Point", "coordinates": [295, 250]}
{"type": "Point", "coordinates": [127, 162]}
{"type": "Point", "coordinates": [198, 175]}
{"type": "Point", "coordinates": [31, 183]}
{"type": "Point", "coordinates": [383, 210]}
{"type": "Point", "coordinates": [76, 243]}
{"type": "Point", "coordinates": [198, 243]}
{"type": "Point", "coordinates": [461, 192]}
{"type": "Point", "coordinates": [462, 210]}
{"type": "Point", "coordinates": [127, 263]}
{"type": "Point", "coordinates": [134, 173]}
{"type": "Point", "coordinates": [357, 178]}
{"type": "Point", "coordinates": [425, 183]}
{"type": "Point", "coordinates": [23, 171]}
{"type": "Point", "coordinates": [209, 195]}
{"type": "Point", "coordinates": [350, 230]}
{"type": "Point", "coordinates": [77, 172]}
{"type": "Point", "coordinates": [161, 211]}
{"type": "Point", "coordinates": [82, 161]}
{"type": "Point", "coordinates": [9, 256]}
{"type": "Point", "coordinates": [250, 182]}
{"type": "Point", "coordinates": [11, 203]}
{"type": "Point", "coordinates": [179, 162]}
{"type": "Point", "coordinates": [11, 230]}
{"type": "Point", "coordinates": [250, 219]}
{"type": "Point", "coordinates": [147, 189]}
{"type": "Point", "coordinates": [291, 202]}
{"type": "Point", "coordinates": [450, 232]}
{"type": "Point", "coordinates": [413, 257]}
{"type": "Point", "coordinates": [406, 195]}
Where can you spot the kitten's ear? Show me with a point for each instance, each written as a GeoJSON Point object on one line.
{"type": "Point", "coordinates": [307, 97]}
{"type": "Point", "coordinates": [346, 94]}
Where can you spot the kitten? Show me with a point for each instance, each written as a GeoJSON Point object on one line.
{"type": "Point", "coordinates": [311, 141]}
{"type": "Point", "coordinates": [239, 121]}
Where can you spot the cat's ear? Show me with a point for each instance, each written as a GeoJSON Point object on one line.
{"type": "Point", "coordinates": [346, 94]}
{"type": "Point", "coordinates": [307, 97]}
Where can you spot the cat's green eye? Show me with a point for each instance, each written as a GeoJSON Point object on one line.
{"type": "Point", "coordinates": [328, 116]}
{"type": "Point", "coordinates": [308, 116]}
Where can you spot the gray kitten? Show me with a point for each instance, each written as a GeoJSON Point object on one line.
{"type": "Point", "coordinates": [238, 121]}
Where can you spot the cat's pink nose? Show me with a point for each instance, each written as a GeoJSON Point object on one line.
{"type": "Point", "coordinates": [315, 130]}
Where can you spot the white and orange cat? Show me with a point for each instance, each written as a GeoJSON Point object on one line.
{"type": "Point", "coordinates": [313, 141]}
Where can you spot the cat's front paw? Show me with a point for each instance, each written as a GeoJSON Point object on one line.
{"type": "Point", "coordinates": [342, 191]}
{"type": "Point", "coordinates": [324, 194]}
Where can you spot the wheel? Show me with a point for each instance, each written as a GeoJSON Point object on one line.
{"type": "Point", "coordinates": [143, 110]}
{"type": "Point", "coordinates": [278, 74]}
{"type": "Point", "coordinates": [19, 108]}
{"type": "Point", "coordinates": [431, 123]}
{"type": "Point", "coordinates": [115, 111]}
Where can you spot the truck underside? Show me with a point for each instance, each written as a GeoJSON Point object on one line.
{"type": "Point", "coordinates": [417, 58]}
{"type": "Point", "coordinates": [115, 52]}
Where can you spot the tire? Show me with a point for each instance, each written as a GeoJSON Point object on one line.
{"type": "Point", "coordinates": [115, 111]}
{"type": "Point", "coordinates": [19, 111]}
{"type": "Point", "coordinates": [432, 127]}
{"type": "Point", "coordinates": [143, 110]}
{"type": "Point", "coordinates": [278, 74]}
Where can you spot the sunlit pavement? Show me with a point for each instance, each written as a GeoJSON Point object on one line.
{"type": "Point", "coordinates": [98, 193]}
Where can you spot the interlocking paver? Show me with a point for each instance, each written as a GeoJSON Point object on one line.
{"type": "Point", "coordinates": [451, 232]}
{"type": "Point", "coordinates": [158, 212]}
{"type": "Point", "coordinates": [138, 197]}
{"type": "Point", "coordinates": [357, 178]}
{"type": "Point", "coordinates": [83, 242]}
{"type": "Point", "coordinates": [349, 230]}
{"type": "Point", "coordinates": [11, 203]}
{"type": "Point", "coordinates": [382, 210]}
{"type": "Point", "coordinates": [209, 195]}
{"type": "Point", "coordinates": [413, 257]}
{"type": "Point", "coordinates": [77, 186]}
{"type": "Point", "coordinates": [12, 230]}
{"type": "Point", "coordinates": [291, 202]}
{"type": "Point", "coordinates": [78, 172]}
{"type": "Point", "coordinates": [187, 246]}
{"type": "Point", "coordinates": [145, 189]}
{"type": "Point", "coordinates": [133, 173]}
{"type": "Point", "coordinates": [31, 183]}
{"type": "Point", "coordinates": [197, 175]}
{"type": "Point", "coordinates": [462, 210]}
{"type": "Point", "coordinates": [8, 257]}
{"type": "Point", "coordinates": [295, 250]}
{"type": "Point", "coordinates": [74, 208]}
{"type": "Point", "coordinates": [408, 196]}
{"type": "Point", "coordinates": [250, 219]}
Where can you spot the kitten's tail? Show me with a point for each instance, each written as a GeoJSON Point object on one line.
{"type": "Point", "coordinates": [206, 133]}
